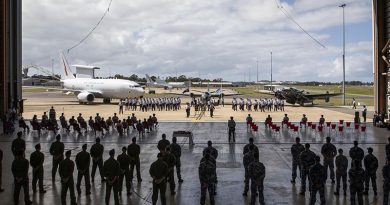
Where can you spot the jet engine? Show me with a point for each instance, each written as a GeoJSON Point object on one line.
{"type": "Point", "coordinates": [85, 97]}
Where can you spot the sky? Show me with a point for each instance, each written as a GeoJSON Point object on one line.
{"type": "Point", "coordinates": [208, 39]}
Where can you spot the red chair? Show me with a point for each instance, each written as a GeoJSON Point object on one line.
{"type": "Point", "coordinates": [348, 124]}
{"type": "Point", "coordinates": [363, 128]}
{"type": "Point", "coordinates": [309, 124]}
{"type": "Point", "coordinates": [341, 129]}
{"type": "Point", "coordinates": [341, 122]}
{"type": "Point", "coordinates": [357, 126]}
{"type": "Point", "coordinates": [328, 124]}
{"type": "Point", "coordinates": [313, 126]}
{"type": "Point", "coordinates": [255, 128]}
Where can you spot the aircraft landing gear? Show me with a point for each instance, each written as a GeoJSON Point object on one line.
{"type": "Point", "coordinates": [106, 100]}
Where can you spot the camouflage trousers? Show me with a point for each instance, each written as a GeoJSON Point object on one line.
{"type": "Point", "coordinates": [304, 175]}
{"type": "Point", "coordinates": [257, 186]}
{"type": "Point", "coordinates": [371, 177]}
{"type": "Point", "coordinates": [246, 181]}
{"type": "Point", "coordinates": [340, 177]}
{"type": "Point", "coordinates": [203, 189]}
{"type": "Point", "coordinates": [313, 194]}
{"type": "Point", "coordinates": [356, 191]}
{"type": "Point", "coordinates": [386, 190]}
{"type": "Point", "coordinates": [329, 162]}
{"type": "Point", "coordinates": [295, 165]}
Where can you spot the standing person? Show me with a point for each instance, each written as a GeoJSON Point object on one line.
{"type": "Point", "coordinates": [257, 174]}
{"type": "Point", "coordinates": [341, 172]}
{"type": "Point", "coordinates": [386, 182]}
{"type": "Point", "coordinates": [247, 160]}
{"type": "Point", "coordinates": [1, 170]}
{"type": "Point", "coordinates": [356, 182]}
{"type": "Point", "coordinates": [329, 152]}
{"type": "Point", "coordinates": [83, 160]}
{"type": "Point", "coordinates": [388, 148]}
{"type": "Point", "coordinates": [176, 151]}
{"type": "Point", "coordinates": [322, 120]}
{"type": "Point", "coordinates": [124, 162]}
{"type": "Point", "coordinates": [232, 129]}
{"type": "Point", "coordinates": [19, 169]}
{"type": "Point", "coordinates": [18, 144]}
{"type": "Point", "coordinates": [356, 153]}
{"type": "Point", "coordinates": [36, 161]}
{"type": "Point", "coordinates": [307, 159]}
{"type": "Point", "coordinates": [212, 109]}
{"type": "Point", "coordinates": [163, 143]}
{"type": "Point", "coordinates": [133, 150]}
{"type": "Point", "coordinates": [66, 173]}
{"type": "Point", "coordinates": [170, 160]}
{"type": "Point", "coordinates": [111, 172]}
{"type": "Point", "coordinates": [296, 150]}
{"type": "Point", "coordinates": [371, 165]}
{"type": "Point", "coordinates": [97, 159]}
{"type": "Point", "coordinates": [364, 113]}
{"type": "Point", "coordinates": [207, 177]}
{"type": "Point", "coordinates": [159, 171]}
{"type": "Point", "coordinates": [249, 120]}
{"type": "Point", "coordinates": [317, 177]}
{"type": "Point", "coordinates": [57, 149]}
{"type": "Point", "coordinates": [353, 103]}
{"type": "Point", "coordinates": [120, 106]}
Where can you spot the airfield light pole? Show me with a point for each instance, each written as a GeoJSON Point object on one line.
{"type": "Point", "coordinates": [343, 6]}
{"type": "Point", "coordinates": [52, 71]}
{"type": "Point", "coordinates": [271, 70]}
{"type": "Point", "coordinates": [257, 71]}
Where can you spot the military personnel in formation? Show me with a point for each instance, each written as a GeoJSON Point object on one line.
{"type": "Point", "coordinates": [112, 171]}
{"type": "Point", "coordinates": [18, 144]}
{"type": "Point", "coordinates": [317, 177]}
{"type": "Point", "coordinates": [66, 173]}
{"type": "Point", "coordinates": [256, 171]}
{"type": "Point", "coordinates": [124, 162]}
{"type": "Point", "coordinates": [307, 159]}
{"type": "Point", "coordinates": [296, 150]}
{"type": "Point", "coordinates": [163, 143]}
{"type": "Point", "coordinates": [386, 182]}
{"type": "Point", "coordinates": [97, 159]}
{"type": "Point", "coordinates": [341, 172]}
{"type": "Point", "coordinates": [159, 171]}
{"type": "Point", "coordinates": [170, 160]}
{"type": "Point", "coordinates": [371, 165]}
{"type": "Point", "coordinates": [246, 147]}
{"type": "Point", "coordinates": [207, 177]}
{"type": "Point", "coordinates": [356, 182]}
{"type": "Point", "coordinates": [83, 160]}
{"type": "Point", "coordinates": [247, 160]}
{"type": "Point", "coordinates": [1, 170]}
{"type": "Point", "coordinates": [388, 148]}
{"type": "Point", "coordinates": [19, 169]}
{"type": "Point", "coordinates": [57, 149]}
{"type": "Point", "coordinates": [329, 152]}
{"type": "Point", "coordinates": [356, 153]}
{"type": "Point", "coordinates": [133, 150]}
{"type": "Point", "coordinates": [36, 161]}
{"type": "Point", "coordinates": [176, 151]}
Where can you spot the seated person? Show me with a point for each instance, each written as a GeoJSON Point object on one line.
{"type": "Point", "coordinates": [249, 120]}
{"type": "Point", "coordinates": [23, 125]}
{"type": "Point", "coordinates": [63, 122]}
{"type": "Point", "coordinates": [150, 123]}
{"type": "Point", "coordinates": [115, 119]}
{"type": "Point", "coordinates": [119, 128]}
{"type": "Point", "coordinates": [145, 125]}
{"type": "Point", "coordinates": [52, 113]}
{"type": "Point", "coordinates": [44, 121]}
{"type": "Point", "coordinates": [285, 120]}
{"type": "Point", "coordinates": [83, 125]}
{"type": "Point", "coordinates": [140, 128]}
{"type": "Point", "coordinates": [103, 125]}
{"type": "Point", "coordinates": [268, 121]}
{"type": "Point", "coordinates": [72, 121]}
{"type": "Point", "coordinates": [154, 119]}
{"type": "Point", "coordinates": [129, 121]}
{"type": "Point", "coordinates": [91, 122]}
{"type": "Point", "coordinates": [109, 123]}
{"type": "Point", "coordinates": [80, 118]}
{"type": "Point", "coordinates": [303, 121]}
{"type": "Point", "coordinates": [134, 119]}
{"type": "Point", "coordinates": [76, 128]}
{"type": "Point", "coordinates": [125, 125]}
{"type": "Point", "coordinates": [322, 120]}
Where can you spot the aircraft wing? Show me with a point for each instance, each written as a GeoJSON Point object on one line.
{"type": "Point", "coordinates": [96, 93]}
{"type": "Point", "coordinates": [322, 96]}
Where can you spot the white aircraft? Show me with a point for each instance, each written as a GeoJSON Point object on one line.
{"type": "Point", "coordinates": [163, 84]}
{"type": "Point", "coordinates": [87, 89]}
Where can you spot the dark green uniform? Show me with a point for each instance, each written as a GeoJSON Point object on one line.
{"type": "Point", "coordinates": [158, 171]}
{"type": "Point", "coordinates": [20, 168]}
{"type": "Point", "coordinates": [386, 183]}
{"type": "Point", "coordinates": [247, 160]}
{"type": "Point", "coordinates": [246, 149]}
{"type": "Point", "coordinates": [317, 177]}
{"type": "Point", "coordinates": [65, 170]}
{"type": "Point", "coordinates": [124, 161]}
{"type": "Point", "coordinates": [162, 144]}
{"type": "Point", "coordinates": [356, 153]}
{"type": "Point", "coordinates": [307, 159]}
{"type": "Point", "coordinates": [111, 172]}
{"type": "Point", "coordinates": [18, 145]}
{"type": "Point", "coordinates": [83, 160]}
{"type": "Point", "coordinates": [296, 150]}
{"type": "Point", "coordinates": [341, 172]}
{"type": "Point", "coordinates": [169, 158]}
{"type": "Point", "coordinates": [133, 150]}
{"type": "Point", "coordinates": [329, 151]}
{"type": "Point", "coordinates": [176, 151]}
{"type": "Point", "coordinates": [356, 184]}
{"type": "Point", "coordinates": [36, 161]}
{"type": "Point", "coordinates": [371, 165]}
{"type": "Point", "coordinates": [257, 174]}
{"type": "Point", "coordinates": [97, 160]}
{"type": "Point", "coordinates": [207, 174]}
{"type": "Point", "coordinates": [57, 150]}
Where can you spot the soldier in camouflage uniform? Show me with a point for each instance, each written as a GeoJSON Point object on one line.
{"type": "Point", "coordinates": [207, 175]}
{"type": "Point", "coordinates": [36, 160]}
{"type": "Point", "coordinates": [356, 182]}
{"type": "Point", "coordinates": [341, 172]}
{"type": "Point", "coordinates": [213, 153]}
{"type": "Point", "coordinates": [57, 149]}
{"type": "Point", "coordinates": [176, 151]}
{"type": "Point", "coordinates": [386, 182]}
{"type": "Point", "coordinates": [307, 159]}
{"type": "Point", "coordinates": [159, 171]}
{"type": "Point", "coordinates": [133, 150]}
{"type": "Point", "coordinates": [20, 172]}
{"type": "Point", "coordinates": [317, 177]}
{"type": "Point", "coordinates": [65, 170]}
{"type": "Point", "coordinates": [124, 161]}
{"type": "Point", "coordinates": [163, 143]}
{"type": "Point", "coordinates": [247, 160]}
{"type": "Point", "coordinates": [83, 160]}
{"type": "Point", "coordinates": [257, 174]}
{"type": "Point", "coordinates": [111, 170]}
{"type": "Point", "coordinates": [246, 147]}
{"type": "Point", "coordinates": [18, 144]}
{"type": "Point", "coordinates": [329, 152]}
{"type": "Point", "coordinates": [296, 150]}
{"type": "Point", "coordinates": [170, 160]}
{"type": "Point", "coordinates": [97, 159]}
{"type": "Point", "coordinates": [371, 165]}
{"type": "Point", "coordinates": [356, 153]}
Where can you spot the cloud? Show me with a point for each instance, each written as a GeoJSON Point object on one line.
{"type": "Point", "coordinates": [215, 38]}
